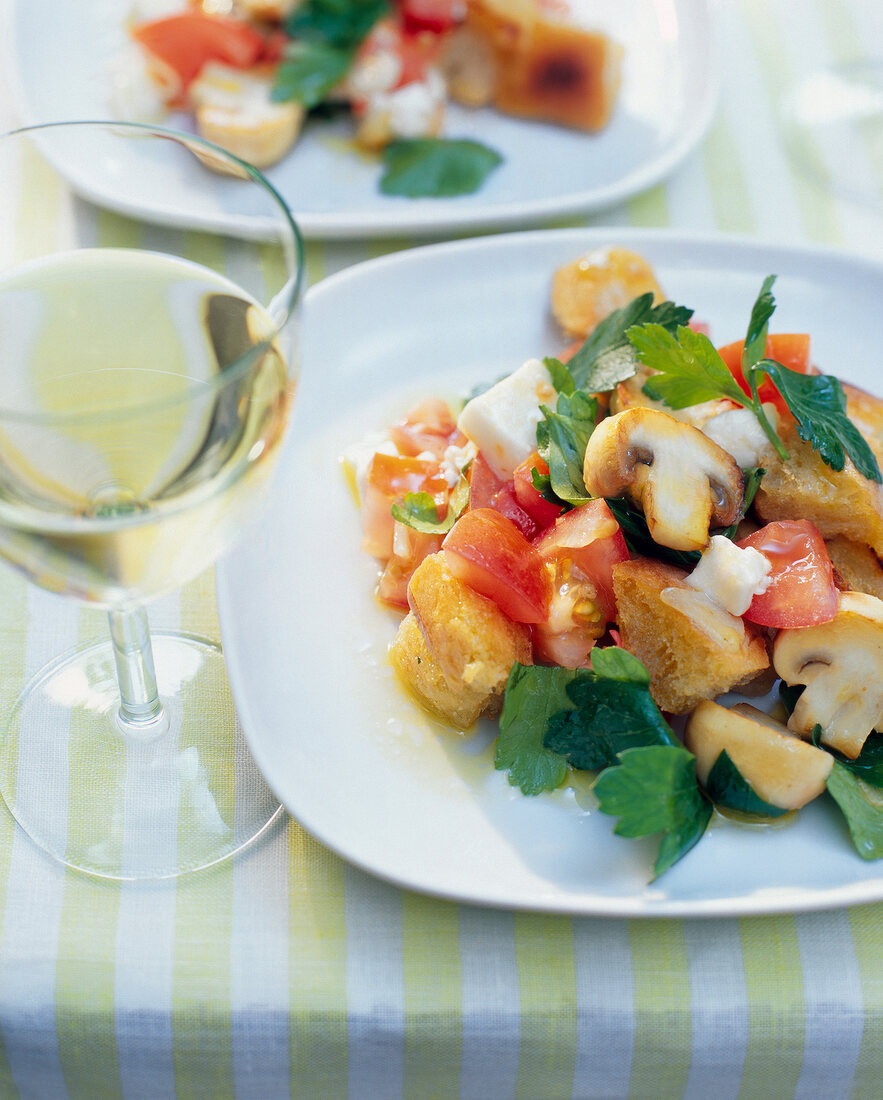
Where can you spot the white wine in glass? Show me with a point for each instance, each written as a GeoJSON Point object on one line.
{"type": "Point", "coordinates": [144, 402]}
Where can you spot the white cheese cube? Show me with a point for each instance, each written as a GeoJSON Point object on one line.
{"type": "Point", "coordinates": [739, 432]}
{"type": "Point", "coordinates": [502, 421]}
{"type": "Point", "coordinates": [731, 575]}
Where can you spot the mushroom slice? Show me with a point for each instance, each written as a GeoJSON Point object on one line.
{"type": "Point", "coordinates": [841, 664]}
{"type": "Point", "coordinates": [780, 768]}
{"type": "Point", "coordinates": [683, 481]}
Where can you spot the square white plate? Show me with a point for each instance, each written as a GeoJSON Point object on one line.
{"type": "Point", "coordinates": [62, 51]}
{"type": "Point", "coordinates": [353, 757]}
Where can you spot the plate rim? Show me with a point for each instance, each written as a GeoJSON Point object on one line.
{"type": "Point", "coordinates": [785, 900]}
{"type": "Point", "coordinates": [408, 221]}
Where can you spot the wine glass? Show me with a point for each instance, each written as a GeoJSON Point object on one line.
{"type": "Point", "coordinates": [833, 127]}
{"type": "Point", "coordinates": [143, 403]}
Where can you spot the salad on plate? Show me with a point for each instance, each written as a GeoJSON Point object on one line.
{"type": "Point", "coordinates": [251, 72]}
{"type": "Point", "coordinates": [604, 548]}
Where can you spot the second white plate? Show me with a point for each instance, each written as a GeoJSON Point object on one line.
{"type": "Point", "coordinates": [62, 53]}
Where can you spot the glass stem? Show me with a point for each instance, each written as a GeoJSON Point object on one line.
{"type": "Point", "coordinates": [140, 704]}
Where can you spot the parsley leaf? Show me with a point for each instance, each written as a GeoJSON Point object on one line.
{"type": "Point", "coordinates": [436, 167]}
{"type": "Point", "coordinates": [562, 436]}
{"type": "Point", "coordinates": [689, 368]}
{"type": "Point", "coordinates": [606, 357]}
{"type": "Point", "coordinates": [533, 694]}
{"type": "Point", "coordinates": [309, 72]}
{"type": "Point", "coordinates": [614, 711]}
{"type": "Point", "coordinates": [336, 22]}
{"type": "Point", "coordinates": [868, 765]}
{"type": "Point", "coordinates": [419, 510]}
{"type": "Point", "coordinates": [727, 786]}
{"type": "Point", "coordinates": [654, 790]}
{"type": "Point", "coordinates": [755, 338]}
{"type": "Point", "coordinates": [819, 407]}
{"type": "Point", "coordinates": [862, 806]}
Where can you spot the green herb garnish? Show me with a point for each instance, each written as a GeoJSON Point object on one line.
{"type": "Point", "coordinates": [654, 790]}
{"type": "Point", "coordinates": [689, 370]}
{"type": "Point", "coordinates": [727, 786]}
{"type": "Point", "coordinates": [533, 694]}
{"type": "Point", "coordinates": [613, 711]}
{"type": "Point", "coordinates": [607, 358]}
{"type": "Point", "coordinates": [436, 167]}
{"type": "Point", "coordinates": [419, 510]}
{"type": "Point", "coordinates": [862, 806]}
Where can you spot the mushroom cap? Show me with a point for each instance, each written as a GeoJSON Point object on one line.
{"type": "Point", "coordinates": [780, 768]}
{"type": "Point", "coordinates": [684, 482]}
{"type": "Point", "coordinates": [841, 664]}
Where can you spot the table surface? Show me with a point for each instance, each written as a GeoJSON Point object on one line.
{"type": "Point", "coordinates": [288, 972]}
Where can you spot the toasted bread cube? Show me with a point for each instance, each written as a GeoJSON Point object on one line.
{"type": "Point", "coordinates": [560, 73]}
{"type": "Point", "coordinates": [858, 567]}
{"type": "Point", "coordinates": [692, 648]}
{"type": "Point", "coordinates": [804, 487]}
{"type": "Point", "coordinates": [589, 288]}
{"type": "Point", "coordinates": [235, 111]}
{"type": "Point", "coordinates": [456, 648]}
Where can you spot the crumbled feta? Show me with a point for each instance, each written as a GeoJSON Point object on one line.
{"type": "Point", "coordinates": [502, 421]}
{"type": "Point", "coordinates": [455, 460]}
{"type": "Point", "coordinates": [378, 71]}
{"type": "Point", "coordinates": [730, 575]}
{"type": "Point", "coordinates": [739, 432]}
{"type": "Point", "coordinates": [412, 109]}
{"type": "Point", "coordinates": [136, 92]}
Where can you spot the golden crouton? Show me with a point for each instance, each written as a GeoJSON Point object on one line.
{"type": "Point", "coordinates": [545, 67]}
{"type": "Point", "coordinates": [587, 289]}
{"type": "Point", "coordinates": [866, 412]}
{"type": "Point", "coordinates": [456, 648]}
{"type": "Point", "coordinates": [234, 110]}
{"type": "Point", "coordinates": [804, 487]}
{"type": "Point", "coordinates": [858, 567]}
{"type": "Point", "coordinates": [692, 648]}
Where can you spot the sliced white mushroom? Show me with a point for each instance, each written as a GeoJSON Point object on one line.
{"type": "Point", "coordinates": [780, 768]}
{"type": "Point", "coordinates": [841, 664]}
{"type": "Point", "coordinates": [683, 481]}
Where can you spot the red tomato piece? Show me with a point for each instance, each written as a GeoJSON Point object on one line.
{"type": "Point", "coordinates": [435, 16]}
{"type": "Point", "coordinates": [579, 552]}
{"type": "Point", "coordinates": [483, 483]}
{"type": "Point", "coordinates": [506, 503]}
{"type": "Point", "coordinates": [801, 591]}
{"type": "Point", "coordinates": [543, 512]}
{"type": "Point", "coordinates": [429, 426]}
{"type": "Point", "coordinates": [789, 349]}
{"type": "Point", "coordinates": [488, 552]}
{"type": "Point", "coordinates": [409, 548]}
{"type": "Point", "coordinates": [389, 479]}
{"type": "Point", "coordinates": [187, 41]}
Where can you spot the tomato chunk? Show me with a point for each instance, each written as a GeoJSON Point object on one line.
{"type": "Point", "coordinates": [389, 479]}
{"type": "Point", "coordinates": [428, 426]}
{"type": "Point", "coordinates": [436, 16]}
{"type": "Point", "coordinates": [543, 512]}
{"type": "Point", "coordinates": [409, 548]}
{"type": "Point", "coordinates": [579, 552]}
{"type": "Point", "coordinates": [187, 41]}
{"type": "Point", "coordinates": [487, 551]}
{"type": "Point", "coordinates": [801, 591]}
{"type": "Point", "coordinates": [789, 349]}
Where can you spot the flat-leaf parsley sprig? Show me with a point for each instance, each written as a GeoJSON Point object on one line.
{"type": "Point", "coordinates": [689, 370]}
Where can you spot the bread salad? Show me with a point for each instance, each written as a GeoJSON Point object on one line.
{"type": "Point", "coordinates": [251, 72]}
{"type": "Point", "coordinates": [598, 547]}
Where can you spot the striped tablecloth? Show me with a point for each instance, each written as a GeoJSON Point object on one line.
{"type": "Point", "coordinates": [288, 972]}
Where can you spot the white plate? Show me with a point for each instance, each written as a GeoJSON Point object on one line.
{"type": "Point", "coordinates": [62, 50]}
{"type": "Point", "coordinates": [349, 754]}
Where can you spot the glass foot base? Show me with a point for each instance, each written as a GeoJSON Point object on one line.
{"type": "Point", "coordinates": [180, 796]}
